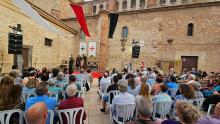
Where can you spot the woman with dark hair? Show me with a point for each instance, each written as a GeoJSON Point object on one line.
{"type": "Point", "coordinates": [156, 86]}
{"type": "Point", "coordinates": [55, 72]}
{"type": "Point", "coordinates": [186, 93]}
{"type": "Point", "coordinates": [10, 94]}
{"type": "Point", "coordinates": [132, 88]}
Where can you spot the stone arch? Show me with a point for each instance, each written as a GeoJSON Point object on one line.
{"type": "Point", "coordinates": [142, 4]}
{"type": "Point", "coordinates": [124, 5]}
{"type": "Point", "coordinates": [133, 4]}
{"type": "Point", "coordinates": [101, 7]}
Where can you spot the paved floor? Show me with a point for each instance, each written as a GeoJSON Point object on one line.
{"type": "Point", "coordinates": [92, 106]}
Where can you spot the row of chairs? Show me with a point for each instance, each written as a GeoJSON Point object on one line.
{"type": "Point", "coordinates": [70, 115]}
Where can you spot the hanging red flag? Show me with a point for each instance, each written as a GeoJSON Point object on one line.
{"type": "Point", "coordinates": [78, 10]}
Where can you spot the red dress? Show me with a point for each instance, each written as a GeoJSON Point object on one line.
{"type": "Point", "coordinates": [72, 102]}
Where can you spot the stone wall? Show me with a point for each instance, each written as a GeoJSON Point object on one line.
{"type": "Point", "coordinates": [34, 36]}
{"type": "Point", "coordinates": [165, 24]}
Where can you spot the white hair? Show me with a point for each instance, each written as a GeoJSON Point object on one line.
{"type": "Point", "coordinates": [71, 90]}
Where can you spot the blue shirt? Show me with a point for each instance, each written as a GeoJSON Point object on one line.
{"type": "Point", "coordinates": [217, 88]}
{"type": "Point", "coordinates": [27, 90]}
{"type": "Point", "coordinates": [135, 91]}
{"type": "Point", "coordinates": [151, 82]}
{"type": "Point", "coordinates": [50, 103]}
{"type": "Point", "coordinates": [161, 97]}
{"type": "Point", "coordinates": [172, 85]}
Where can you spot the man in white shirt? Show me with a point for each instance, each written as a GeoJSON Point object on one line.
{"type": "Point", "coordinates": [104, 82]}
{"type": "Point", "coordinates": [123, 98]}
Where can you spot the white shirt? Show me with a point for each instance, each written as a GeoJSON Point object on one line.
{"type": "Point", "coordinates": [122, 99]}
{"type": "Point", "coordinates": [104, 83]}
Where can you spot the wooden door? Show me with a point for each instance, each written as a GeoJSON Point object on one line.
{"type": "Point", "coordinates": [25, 55]}
{"type": "Point", "coordinates": [189, 62]}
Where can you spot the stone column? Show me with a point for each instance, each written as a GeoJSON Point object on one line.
{"type": "Point", "coordinates": [128, 5]}
{"type": "Point", "coordinates": [137, 4]}
{"type": "Point", "coordinates": [104, 29]}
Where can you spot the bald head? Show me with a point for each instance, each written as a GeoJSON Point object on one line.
{"type": "Point", "coordinates": [37, 114]}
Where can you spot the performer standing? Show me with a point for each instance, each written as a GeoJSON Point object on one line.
{"type": "Point", "coordinates": [84, 61]}
{"type": "Point", "coordinates": [78, 62]}
{"type": "Point", "coordinates": [71, 66]}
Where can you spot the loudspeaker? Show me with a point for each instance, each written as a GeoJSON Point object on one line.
{"type": "Point", "coordinates": [113, 23]}
{"type": "Point", "coordinates": [135, 51]}
{"type": "Point", "coordinates": [15, 42]}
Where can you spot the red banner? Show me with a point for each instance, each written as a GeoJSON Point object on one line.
{"type": "Point", "coordinates": [78, 10]}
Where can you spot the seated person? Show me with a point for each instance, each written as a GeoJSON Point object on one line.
{"type": "Point", "coordinates": [186, 112]}
{"type": "Point", "coordinates": [37, 113]}
{"type": "Point", "coordinates": [105, 80]}
{"type": "Point", "coordinates": [132, 88]}
{"type": "Point", "coordinates": [162, 95]}
{"type": "Point", "coordinates": [123, 98]}
{"type": "Point", "coordinates": [186, 93]}
{"type": "Point", "coordinates": [61, 80]}
{"type": "Point", "coordinates": [213, 119]}
{"type": "Point", "coordinates": [30, 86]}
{"type": "Point", "coordinates": [213, 99]}
{"type": "Point", "coordinates": [172, 83]}
{"type": "Point", "coordinates": [196, 86]}
{"type": "Point", "coordinates": [145, 109]}
{"type": "Point", "coordinates": [110, 88]}
{"type": "Point", "coordinates": [41, 92]}
{"type": "Point", "coordinates": [72, 102]}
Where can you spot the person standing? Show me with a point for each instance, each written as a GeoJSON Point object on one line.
{"type": "Point", "coordinates": [71, 61]}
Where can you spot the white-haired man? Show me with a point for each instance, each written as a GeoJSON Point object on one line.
{"type": "Point", "coordinates": [72, 102]}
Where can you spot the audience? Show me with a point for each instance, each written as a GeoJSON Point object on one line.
{"type": "Point", "coordinates": [104, 82]}
{"type": "Point", "coordinates": [187, 113]}
{"type": "Point", "coordinates": [36, 114]}
{"type": "Point", "coordinates": [123, 98]}
{"type": "Point", "coordinates": [30, 86]}
{"type": "Point", "coordinates": [112, 87]}
{"type": "Point", "coordinates": [72, 102]}
{"type": "Point", "coordinates": [162, 95]}
{"type": "Point", "coordinates": [213, 119]}
{"type": "Point", "coordinates": [156, 87]}
{"type": "Point", "coordinates": [41, 92]}
{"type": "Point", "coordinates": [132, 88]}
{"type": "Point", "coordinates": [196, 86]}
{"type": "Point", "coordinates": [32, 74]}
{"type": "Point", "coordinates": [186, 93]}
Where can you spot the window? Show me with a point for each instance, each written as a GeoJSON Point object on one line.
{"type": "Point", "coordinates": [124, 33]}
{"type": "Point", "coordinates": [133, 4]}
{"type": "Point", "coordinates": [94, 9]}
{"type": "Point", "coordinates": [101, 7]}
{"type": "Point", "coordinates": [48, 42]}
{"type": "Point", "coordinates": [190, 29]}
{"type": "Point", "coordinates": [124, 5]}
{"type": "Point", "coordinates": [172, 1]}
{"type": "Point", "coordinates": [142, 4]}
{"type": "Point", "coordinates": [162, 2]}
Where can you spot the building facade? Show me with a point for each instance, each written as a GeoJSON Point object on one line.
{"type": "Point", "coordinates": [41, 47]}
{"type": "Point", "coordinates": [174, 33]}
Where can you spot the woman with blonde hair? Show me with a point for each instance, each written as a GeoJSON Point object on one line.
{"type": "Point", "coordinates": [144, 96]}
{"type": "Point", "coordinates": [187, 113]}
{"type": "Point", "coordinates": [30, 86]}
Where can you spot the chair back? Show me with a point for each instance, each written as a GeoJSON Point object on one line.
{"type": "Point", "coordinates": [71, 115]}
{"type": "Point", "coordinates": [211, 106]}
{"type": "Point", "coordinates": [124, 112]}
{"type": "Point", "coordinates": [5, 116]}
{"type": "Point", "coordinates": [162, 108]}
{"type": "Point", "coordinates": [112, 94]}
{"type": "Point", "coordinates": [198, 102]}
{"type": "Point", "coordinates": [54, 95]}
{"type": "Point", "coordinates": [172, 92]}
{"type": "Point", "coordinates": [103, 88]}
{"type": "Point", "coordinates": [25, 96]}
{"type": "Point", "coordinates": [51, 116]}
